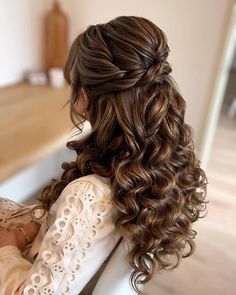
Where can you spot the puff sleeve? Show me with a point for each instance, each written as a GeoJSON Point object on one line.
{"type": "Point", "coordinates": [81, 235]}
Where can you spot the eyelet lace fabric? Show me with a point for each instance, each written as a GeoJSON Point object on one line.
{"type": "Point", "coordinates": [80, 217]}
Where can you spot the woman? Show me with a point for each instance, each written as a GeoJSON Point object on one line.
{"type": "Point", "coordinates": [135, 177]}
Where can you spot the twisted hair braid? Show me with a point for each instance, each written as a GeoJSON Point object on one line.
{"type": "Point", "coordinates": [139, 140]}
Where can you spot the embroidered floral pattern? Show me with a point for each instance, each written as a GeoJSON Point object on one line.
{"type": "Point", "coordinates": [73, 224]}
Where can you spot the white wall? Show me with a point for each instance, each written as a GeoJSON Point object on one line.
{"type": "Point", "coordinates": [21, 33]}
{"type": "Point", "coordinates": [20, 38]}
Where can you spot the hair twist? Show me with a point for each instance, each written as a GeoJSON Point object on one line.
{"type": "Point", "coordinates": [156, 73]}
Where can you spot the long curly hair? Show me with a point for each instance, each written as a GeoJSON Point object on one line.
{"type": "Point", "coordinates": [139, 140]}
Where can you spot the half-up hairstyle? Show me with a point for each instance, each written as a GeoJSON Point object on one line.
{"type": "Point", "coordinates": [139, 140]}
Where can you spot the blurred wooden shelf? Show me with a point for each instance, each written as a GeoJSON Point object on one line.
{"type": "Point", "coordinates": [33, 124]}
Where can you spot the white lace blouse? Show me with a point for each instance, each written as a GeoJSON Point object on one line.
{"type": "Point", "coordinates": [74, 242]}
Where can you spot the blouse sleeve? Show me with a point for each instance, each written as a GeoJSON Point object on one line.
{"type": "Point", "coordinates": [79, 239]}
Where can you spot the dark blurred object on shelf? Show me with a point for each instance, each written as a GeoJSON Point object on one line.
{"type": "Point", "coordinates": [56, 37]}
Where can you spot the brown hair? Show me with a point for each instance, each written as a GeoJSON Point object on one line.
{"type": "Point", "coordinates": [139, 140]}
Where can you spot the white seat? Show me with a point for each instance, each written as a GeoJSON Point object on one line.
{"type": "Point", "coordinates": [114, 280]}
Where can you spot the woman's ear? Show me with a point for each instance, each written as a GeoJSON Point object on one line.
{"type": "Point", "coordinates": [85, 98]}
{"type": "Point", "coordinates": [82, 102]}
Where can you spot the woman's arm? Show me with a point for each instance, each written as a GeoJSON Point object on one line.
{"type": "Point", "coordinates": [76, 244]}
{"type": "Point", "coordinates": [19, 238]}
{"type": "Point", "coordinates": [27, 234]}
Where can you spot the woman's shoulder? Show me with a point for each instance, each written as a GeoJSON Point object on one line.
{"type": "Point", "coordinates": [97, 182]}
{"type": "Point", "coordinates": [86, 191]}
{"type": "Point", "coordinates": [83, 195]}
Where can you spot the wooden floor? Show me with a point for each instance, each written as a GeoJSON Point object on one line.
{"type": "Point", "coordinates": [211, 270]}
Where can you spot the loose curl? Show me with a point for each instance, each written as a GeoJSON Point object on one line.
{"type": "Point", "coordinates": [139, 140]}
